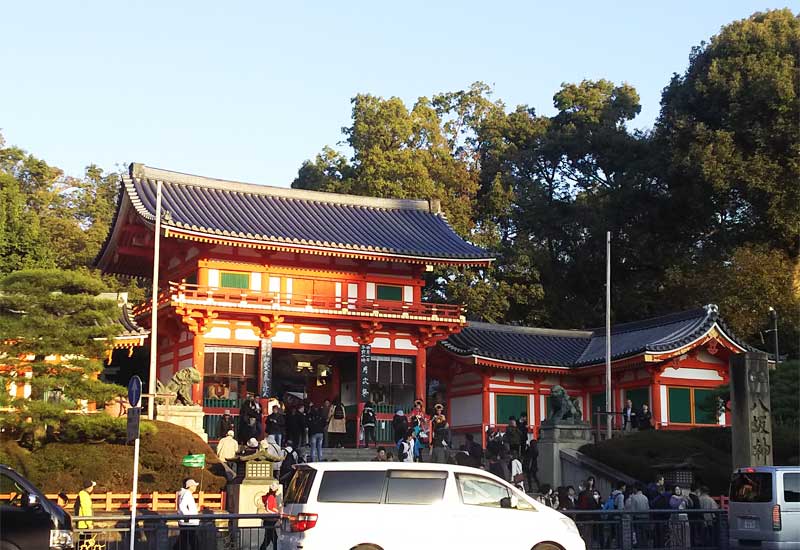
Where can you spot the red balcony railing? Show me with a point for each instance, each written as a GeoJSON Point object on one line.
{"type": "Point", "coordinates": [181, 293]}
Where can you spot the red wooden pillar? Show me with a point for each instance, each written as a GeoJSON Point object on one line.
{"type": "Point", "coordinates": [485, 414]}
{"type": "Point", "coordinates": [421, 381]}
{"type": "Point", "coordinates": [655, 406]}
{"type": "Point", "coordinates": [198, 361]}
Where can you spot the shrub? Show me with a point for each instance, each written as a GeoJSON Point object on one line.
{"type": "Point", "coordinates": [100, 427]}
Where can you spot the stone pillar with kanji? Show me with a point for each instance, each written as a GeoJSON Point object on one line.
{"type": "Point", "coordinates": [751, 410]}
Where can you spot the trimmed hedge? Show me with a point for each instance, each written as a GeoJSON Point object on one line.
{"type": "Point", "coordinates": [63, 466]}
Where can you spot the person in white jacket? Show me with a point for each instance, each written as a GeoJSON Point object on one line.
{"type": "Point", "coordinates": [188, 507]}
{"type": "Point", "coordinates": [517, 476]}
{"type": "Point", "coordinates": [406, 453]}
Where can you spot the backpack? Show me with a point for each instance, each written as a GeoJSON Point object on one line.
{"type": "Point", "coordinates": [609, 503]}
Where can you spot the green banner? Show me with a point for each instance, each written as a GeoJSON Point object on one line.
{"type": "Point", "coordinates": [194, 461]}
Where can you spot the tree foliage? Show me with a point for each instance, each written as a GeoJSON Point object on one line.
{"type": "Point", "coordinates": [54, 324]}
{"type": "Point", "coordinates": [703, 208]}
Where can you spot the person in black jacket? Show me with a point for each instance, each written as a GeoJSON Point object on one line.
{"type": "Point", "coordinates": [316, 422]}
{"type": "Point", "coordinates": [368, 423]}
{"type": "Point", "coordinates": [530, 464]}
{"type": "Point", "coordinates": [276, 424]}
{"type": "Point", "coordinates": [249, 419]}
{"type": "Point", "coordinates": [296, 425]}
{"type": "Point", "coordinates": [287, 466]}
{"type": "Point", "coordinates": [399, 426]}
{"type": "Point", "coordinates": [645, 418]}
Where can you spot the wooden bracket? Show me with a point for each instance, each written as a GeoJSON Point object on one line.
{"type": "Point", "coordinates": [198, 322]}
{"type": "Point", "coordinates": [269, 325]}
{"type": "Point", "coordinates": [366, 333]}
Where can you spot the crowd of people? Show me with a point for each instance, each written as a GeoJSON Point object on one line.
{"type": "Point", "coordinates": [673, 530]}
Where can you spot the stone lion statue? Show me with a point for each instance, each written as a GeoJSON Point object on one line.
{"type": "Point", "coordinates": [181, 386]}
{"type": "Point", "coordinates": [563, 409]}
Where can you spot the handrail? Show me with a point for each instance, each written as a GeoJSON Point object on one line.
{"type": "Point", "coordinates": [182, 292]}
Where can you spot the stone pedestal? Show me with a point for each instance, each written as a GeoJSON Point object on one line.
{"type": "Point", "coordinates": [553, 438]}
{"type": "Point", "coordinates": [246, 491]}
{"type": "Point", "coordinates": [751, 410]}
{"type": "Point", "coordinates": [190, 417]}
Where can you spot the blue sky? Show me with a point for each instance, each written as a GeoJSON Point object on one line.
{"type": "Point", "coordinates": [248, 90]}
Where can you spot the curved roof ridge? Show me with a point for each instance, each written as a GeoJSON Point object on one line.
{"type": "Point", "coordinates": [661, 320]}
{"type": "Point", "coordinates": [568, 333]}
{"type": "Point", "coordinates": [140, 171]}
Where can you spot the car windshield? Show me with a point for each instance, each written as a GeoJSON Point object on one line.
{"type": "Point", "coordinates": [751, 487]}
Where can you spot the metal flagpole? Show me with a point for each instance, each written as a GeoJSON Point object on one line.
{"type": "Point", "coordinates": [151, 382]}
{"type": "Point", "coordinates": [608, 334]}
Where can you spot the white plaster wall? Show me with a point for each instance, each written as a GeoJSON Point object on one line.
{"type": "Point", "coordinates": [466, 410]}
{"type": "Point", "coordinates": [691, 374]}
{"type": "Point", "coordinates": [311, 338]}
{"type": "Point", "coordinates": [213, 278]}
{"type": "Point", "coordinates": [664, 416]}
{"type": "Point", "coordinates": [255, 281]}
{"type": "Point", "coordinates": [408, 293]}
{"type": "Point", "coordinates": [381, 343]}
{"type": "Point", "coordinates": [245, 334]}
{"type": "Point", "coordinates": [284, 336]}
{"type": "Point", "coordinates": [404, 343]}
{"type": "Point", "coordinates": [219, 332]}
{"type": "Point", "coordinates": [501, 377]}
{"type": "Point", "coordinates": [491, 407]}
{"type": "Point", "coordinates": [345, 340]}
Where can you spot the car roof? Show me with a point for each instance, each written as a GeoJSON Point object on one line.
{"type": "Point", "coordinates": [385, 466]}
{"type": "Point", "coordinates": [749, 469]}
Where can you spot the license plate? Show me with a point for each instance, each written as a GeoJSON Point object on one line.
{"type": "Point", "coordinates": [750, 524]}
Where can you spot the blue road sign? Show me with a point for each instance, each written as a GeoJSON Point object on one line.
{"type": "Point", "coordinates": [134, 391]}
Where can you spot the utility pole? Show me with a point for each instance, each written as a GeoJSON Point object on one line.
{"type": "Point", "coordinates": [609, 417]}
{"type": "Point", "coordinates": [774, 316]}
{"type": "Point", "coordinates": [151, 382]}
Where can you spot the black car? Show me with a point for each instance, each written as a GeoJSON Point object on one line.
{"type": "Point", "coordinates": [29, 521]}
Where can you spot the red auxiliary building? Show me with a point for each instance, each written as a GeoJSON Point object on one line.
{"type": "Point", "coordinates": [283, 292]}
{"type": "Point", "coordinates": [672, 363]}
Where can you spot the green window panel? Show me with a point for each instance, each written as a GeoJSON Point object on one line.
{"type": "Point", "coordinates": [509, 405]}
{"type": "Point", "coordinates": [598, 400]}
{"type": "Point", "coordinates": [389, 292]}
{"type": "Point", "coordinates": [680, 406]}
{"type": "Point", "coordinates": [234, 280]}
{"type": "Point", "coordinates": [639, 396]}
{"type": "Point", "coordinates": [704, 405]}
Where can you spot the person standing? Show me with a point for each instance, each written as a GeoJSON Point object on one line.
{"type": "Point", "coordinates": [644, 419]}
{"type": "Point", "coordinates": [188, 507]}
{"type": "Point", "coordinates": [296, 425]}
{"type": "Point", "coordinates": [399, 426]}
{"type": "Point", "coordinates": [273, 447]}
{"type": "Point", "coordinates": [405, 451]}
{"type": "Point", "coordinates": [270, 502]}
{"type": "Point", "coordinates": [83, 505]}
{"type": "Point", "coordinates": [441, 439]}
{"type": "Point", "coordinates": [227, 448]}
{"type": "Point", "coordinates": [316, 432]}
{"type": "Point", "coordinates": [276, 424]}
{"type": "Point", "coordinates": [227, 422]}
{"type": "Point", "coordinates": [531, 463]}
{"type": "Point", "coordinates": [249, 419]}
{"type": "Point", "coordinates": [287, 466]}
{"type": "Point", "coordinates": [513, 435]}
{"type": "Point", "coordinates": [474, 450]}
{"type": "Point", "coordinates": [517, 475]}
{"type": "Point", "coordinates": [522, 424]}
{"type": "Point", "coordinates": [629, 421]}
{"type": "Point", "coordinates": [326, 415]}
{"type": "Point", "coordinates": [368, 424]}
{"type": "Point", "coordinates": [337, 423]}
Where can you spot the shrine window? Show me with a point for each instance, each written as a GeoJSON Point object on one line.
{"type": "Point", "coordinates": [691, 406]}
{"type": "Point", "coordinates": [509, 405]}
{"type": "Point", "coordinates": [228, 374]}
{"type": "Point", "coordinates": [232, 279]}
{"type": "Point", "coordinates": [389, 292]}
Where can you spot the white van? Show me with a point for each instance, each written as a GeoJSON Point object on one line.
{"type": "Point", "coordinates": [764, 508]}
{"type": "Point", "coordinates": [398, 506]}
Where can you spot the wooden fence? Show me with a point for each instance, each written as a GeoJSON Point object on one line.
{"type": "Point", "coordinates": [157, 502]}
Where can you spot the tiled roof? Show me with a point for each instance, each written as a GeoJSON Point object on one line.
{"type": "Point", "coordinates": [129, 326]}
{"type": "Point", "coordinates": [298, 218]}
{"type": "Point", "coordinates": [519, 344]}
{"type": "Point", "coordinates": [543, 347]}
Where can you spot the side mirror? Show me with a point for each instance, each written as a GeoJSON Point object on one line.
{"type": "Point", "coordinates": [33, 500]}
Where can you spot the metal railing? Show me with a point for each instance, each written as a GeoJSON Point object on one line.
{"type": "Point", "coordinates": [165, 532]}
{"type": "Point", "coordinates": [652, 530]}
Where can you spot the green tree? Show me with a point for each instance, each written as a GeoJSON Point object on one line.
{"type": "Point", "coordinates": [729, 127]}
{"type": "Point", "coordinates": [54, 324]}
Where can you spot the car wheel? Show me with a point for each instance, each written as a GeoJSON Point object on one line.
{"type": "Point", "coordinates": [366, 547]}
{"type": "Point", "coordinates": [547, 546]}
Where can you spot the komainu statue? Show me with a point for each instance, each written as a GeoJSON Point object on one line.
{"type": "Point", "coordinates": [563, 409]}
{"type": "Point", "coordinates": [180, 385]}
